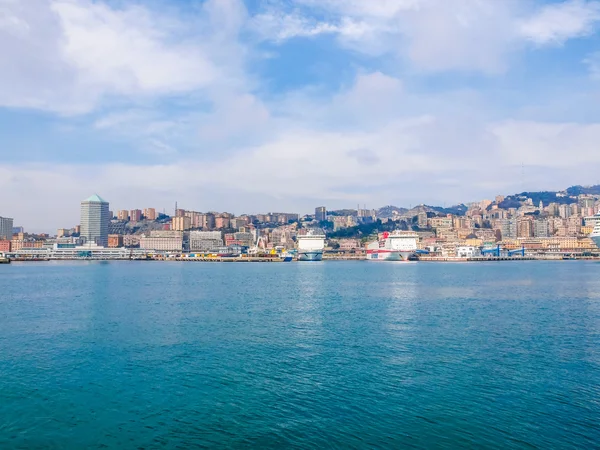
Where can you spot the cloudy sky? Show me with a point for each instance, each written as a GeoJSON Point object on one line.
{"type": "Point", "coordinates": [264, 105]}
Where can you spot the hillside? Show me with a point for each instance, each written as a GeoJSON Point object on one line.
{"type": "Point", "coordinates": [587, 190]}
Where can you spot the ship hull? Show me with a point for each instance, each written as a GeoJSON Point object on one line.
{"type": "Point", "coordinates": [596, 240]}
{"type": "Point", "coordinates": [310, 256]}
{"type": "Point", "coordinates": [388, 255]}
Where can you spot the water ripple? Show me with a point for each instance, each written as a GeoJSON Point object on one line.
{"type": "Point", "coordinates": [329, 355]}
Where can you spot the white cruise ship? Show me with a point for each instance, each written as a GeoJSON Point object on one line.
{"type": "Point", "coordinates": [311, 245]}
{"type": "Point", "coordinates": [395, 246]}
{"type": "Point", "coordinates": [595, 236]}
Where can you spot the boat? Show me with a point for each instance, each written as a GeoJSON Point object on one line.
{"type": "Point", "coordinates": [286, 257]}
{"type": "Point", "coordinates": [394, 246]}
{"type": "Point", "coordinates": [311, 245]}
{"type": "Point", "coordinates": [4, 259]}
{"type": "Point", "coordinates": [595, 236]}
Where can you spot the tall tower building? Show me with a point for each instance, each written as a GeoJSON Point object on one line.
{"type": "Point", "coordinates": [6, 228]}
{"type": "Point", "coordinates": [135, 215]}
{"type": "Point", "coordinates": [150, 213]}
{"type": "Point", "coordinates": [94, 220]}
{"type": "Point", "coordinates": [320, 214]}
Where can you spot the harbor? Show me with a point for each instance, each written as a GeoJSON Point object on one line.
{"type": "Point", "coordinates": [326, 257]}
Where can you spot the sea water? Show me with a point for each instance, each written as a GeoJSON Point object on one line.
{"type": "Point", "coordinates": [300, 355]}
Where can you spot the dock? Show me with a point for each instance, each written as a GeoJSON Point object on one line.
{"type": "Point", "coordinates": [227, 259]}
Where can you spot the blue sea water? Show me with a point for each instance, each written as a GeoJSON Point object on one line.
{"type": "Point", "coordinates": [300, 355]}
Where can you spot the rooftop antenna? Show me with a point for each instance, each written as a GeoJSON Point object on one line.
{"type": "Point", "coordinates": [175, 209]}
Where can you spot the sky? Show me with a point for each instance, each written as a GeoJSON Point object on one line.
{"type": "Point", "coordinates": [284, 105]}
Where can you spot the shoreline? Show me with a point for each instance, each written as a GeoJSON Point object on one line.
{"type": "Point", "coordinates": [325, 259]}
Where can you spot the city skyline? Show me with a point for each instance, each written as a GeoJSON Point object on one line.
{"type": "Point", "coordinates": [283, 105]}
{"type": "Point", "coordinates": [319, 212]}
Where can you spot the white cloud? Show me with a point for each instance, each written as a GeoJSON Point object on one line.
{"type": "Point", "coordinates": [550, 145]}
{"type": "Point", "coordinates": [68, 55]}
{"type": "Point", "coordinates": [401, 162]}
{"type": "Point", "coordinates": [435, 35]}
{"type": "Point", "coordinates": [558, 22]}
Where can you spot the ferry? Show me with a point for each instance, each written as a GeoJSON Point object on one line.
{"type": "Point", "coordinates": [395, 246]}
{"type": "Point", "coordinates": [311, 245]}
{"type": "Point", "coordinates": [286, 257]}
{"type": "Point", "coordinates": [595, 236]}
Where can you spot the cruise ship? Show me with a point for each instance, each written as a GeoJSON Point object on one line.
{"type": "Point", "coordinates": [595, 236]}
{"type": "Point", "coordinates": [311, 245]}
{"type": "Point", "coordinates": [395, 246]}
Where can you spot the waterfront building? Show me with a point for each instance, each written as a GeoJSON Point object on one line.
{"type": "Point", "coordinates": [74, 251]}
{"type": "Point", "coordinates": [150, 213]}
{"type": "Point", "coordinates": [62, 232]}
{"type": "Point", "coordinates": [6, 228]}
{"type": "Point", "coordinates": [4, 246]}
{"type": "Point", "coordinates": [168, 241]}
{"type": "Point", "coordinates": [321, 214]}
{"type": "Point", "coordinates": [94, 220]}
{"type": "Point", "coordinates": [115, 240]}
{"type": "Point", "coordinates": [17, 244]}
{"type": "Point", "coordinates": [202, 241]}
{"type": "Point", "coordinates": [467, 251]}
{"type": "Point", "coordinates": [349, 244]}
{"type": "Point", "coordinates": [135, 215]}
{"type": "Point", "coordinates": [123, 215]}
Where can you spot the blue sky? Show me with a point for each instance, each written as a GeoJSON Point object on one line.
{"type": "Point", "coordinates": [264, 105]}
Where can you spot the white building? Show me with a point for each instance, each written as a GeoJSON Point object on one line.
{"type": "Point", "coordinates": [166, 241]}
{"type": "Point", "coordinates": [95, 218]}
{"type": "Point", "coordinates": [6, 228]}
{"type": "Point", "coordinates": [467, 252]}
{"type": "Point", "coordinates": [204, 241]}
{"type": "Point", "coordinates": [73, 251]}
